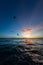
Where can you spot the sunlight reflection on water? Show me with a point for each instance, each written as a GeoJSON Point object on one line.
{"type": "Point", "coordinates": [32, 47]}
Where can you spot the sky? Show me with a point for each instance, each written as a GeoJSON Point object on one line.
{"type": "Point", "coordinates": [28, 21]}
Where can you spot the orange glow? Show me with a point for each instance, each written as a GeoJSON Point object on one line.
{"type": "Point", "coordinates": [33, 36]}
{"type": "Point", "coordinates": [26, 30]}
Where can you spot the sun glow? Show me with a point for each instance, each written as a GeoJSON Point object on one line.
{"type": "Point", "coordinates": [26, 35]}
{"type": "Point", "coordinates": [29, 35]}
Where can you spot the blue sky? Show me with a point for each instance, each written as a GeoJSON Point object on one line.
{"type": "Point", "coordinates": [29, 15]}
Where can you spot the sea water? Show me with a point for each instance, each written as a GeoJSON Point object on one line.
{"type": "Point", "coordinates": [21, 51]}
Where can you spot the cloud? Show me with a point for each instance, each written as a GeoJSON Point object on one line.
{"type": "Point", "coordinates": [26, 30]}
{"type": "Point", "coordinates": [34, 28]}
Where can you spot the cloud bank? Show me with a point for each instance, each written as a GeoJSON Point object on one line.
{"type": "Point", "coordinates": [34, 28]}
{"type": "Point", "coordinates": [26, 30]}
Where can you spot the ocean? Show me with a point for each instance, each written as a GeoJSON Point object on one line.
{"type": "Point", "coordinates": [21, 51]}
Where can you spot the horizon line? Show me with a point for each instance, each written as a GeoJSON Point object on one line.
{"type": "Point", "coordinates": [21, 37]}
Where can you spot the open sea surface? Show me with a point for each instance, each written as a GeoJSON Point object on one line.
{"type": "Point", "coordinates": [21, 51]}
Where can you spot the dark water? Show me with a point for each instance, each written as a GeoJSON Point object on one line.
{"type": "Point", "coordinates": [15, 51]}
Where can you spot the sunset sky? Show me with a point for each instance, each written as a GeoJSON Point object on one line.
{"type": "Point", "coordinates": [28, 21]}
